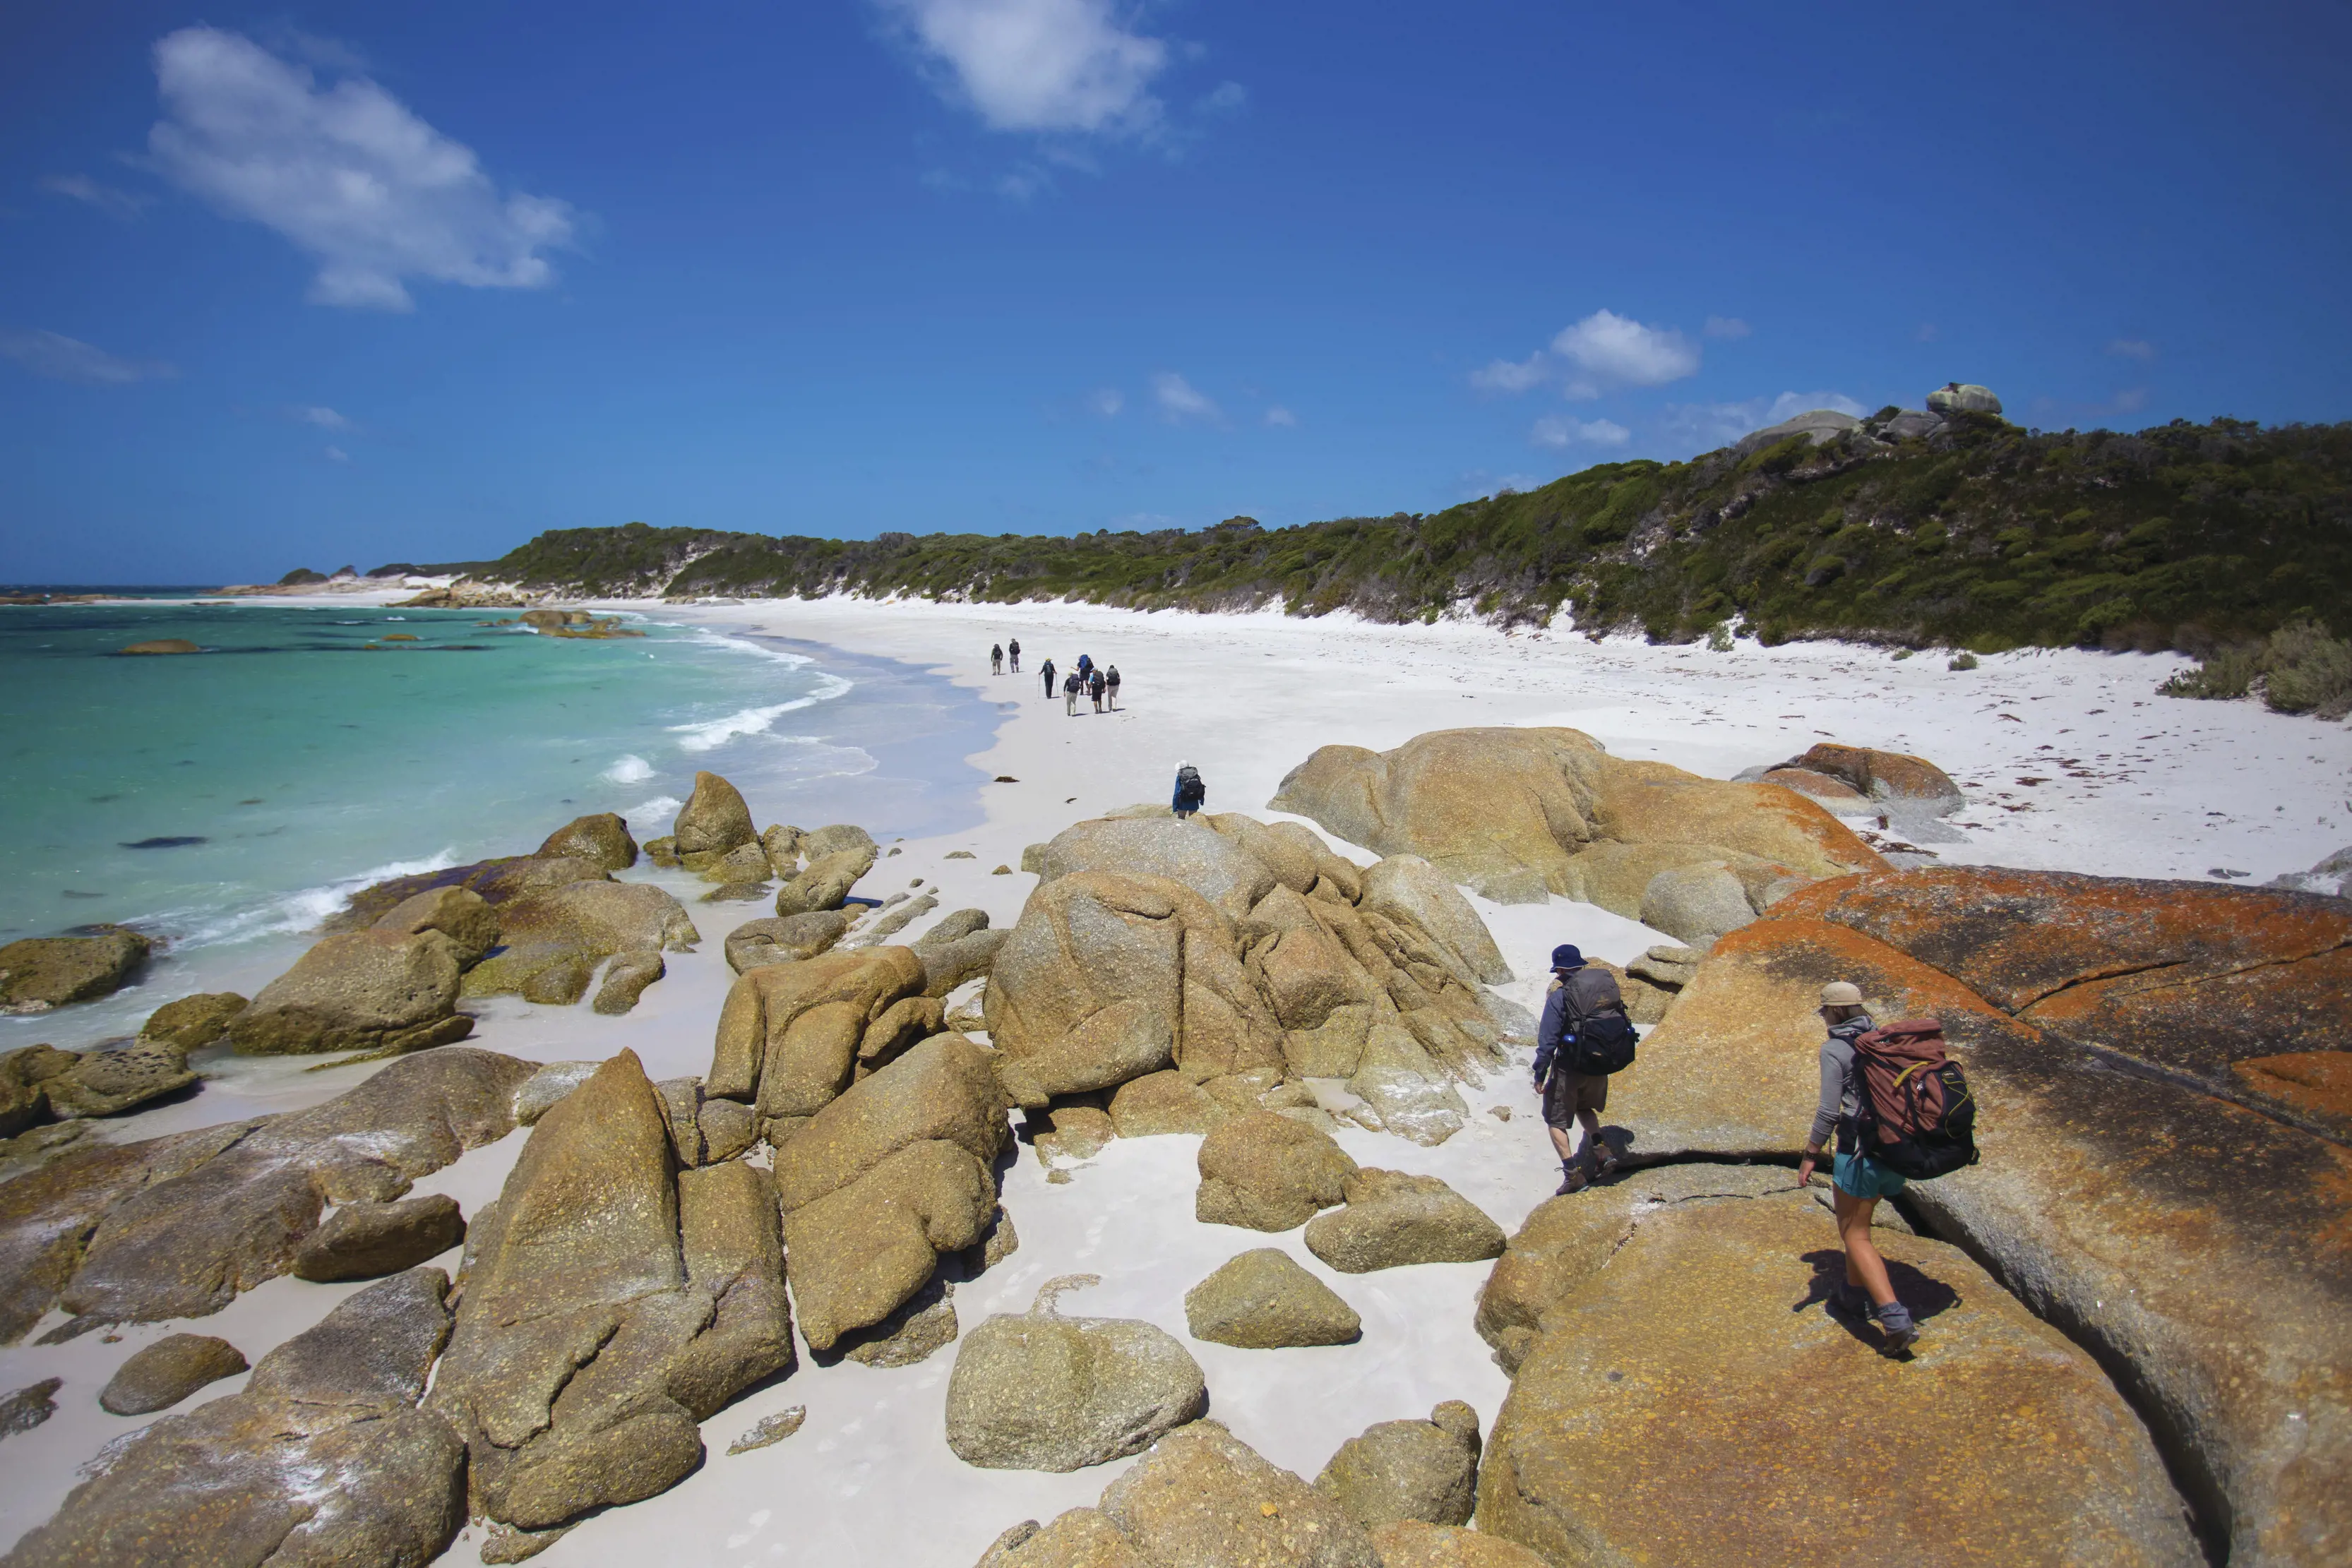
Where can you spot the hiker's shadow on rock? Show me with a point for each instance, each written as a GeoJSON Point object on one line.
{"type": "Point", "coordinates": [1925, 1295]}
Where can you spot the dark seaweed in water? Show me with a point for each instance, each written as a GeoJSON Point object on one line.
{"type": "Point", "coordinates": [161, 843]}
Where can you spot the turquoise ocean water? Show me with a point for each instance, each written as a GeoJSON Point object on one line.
{"type": "Point", "coordinates": [225, 802]}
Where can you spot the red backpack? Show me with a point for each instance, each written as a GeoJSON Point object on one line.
{"type": "Point", "coordinates": [1914, 1114]}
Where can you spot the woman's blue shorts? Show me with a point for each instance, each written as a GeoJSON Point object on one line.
{"type": "Point", "coordinates": [1859, 1175]}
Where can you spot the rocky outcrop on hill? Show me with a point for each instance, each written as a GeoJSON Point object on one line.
{"type": "Point", "coordinates": [1038, 1391]}
{"type": "Point", "coordinates": [43, 972]}
{"type": "Point", "coordinates": [611, 1302]}
{"type": "Point", "coordinates": [324, 1457]}
{"type": "Point", "coordinates": [1518, 813]}
{"type": "Point", "coordinates": [1116, 971]}
{"type": "Point", "coordinates": [175, 1226]}
{"type": "Point", "coordinates": [1683, 1341]}
{"type": "Point", "coordinates": [2157, 1069]}
{"type": "Point", "coordinates": [878, 1183]}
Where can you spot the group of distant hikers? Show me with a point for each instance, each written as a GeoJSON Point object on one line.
{"type": "Point", "coordinates": [1088, 679]}
{"type": "Point", "coordinates": [1899, 1107]}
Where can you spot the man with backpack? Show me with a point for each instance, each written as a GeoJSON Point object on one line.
{"type": "Point", "coordinates": [1902, 1112]}
{"type": "Point", "coordinates": [997, 659]}
{"type": "Point", "coordinates": [1110, 685]}
{"type": "Point", "coordinates": [1584, 1037]}
{"type": "Point", "coordinates": [1048, 673]}
{"type": "Point", "coordinates": [1072, 685]}
{"type": "Point", "coordinates": [1094, 684]}
{"type": "Point", "coordinates": [1014, 648]}
{"type": "Point", "coordinates": [1190, 793]}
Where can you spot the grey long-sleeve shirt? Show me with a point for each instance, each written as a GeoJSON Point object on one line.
{"type": "Point", "coordinates": [1837, 1105]}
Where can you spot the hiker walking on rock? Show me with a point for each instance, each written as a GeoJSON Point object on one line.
{"type": "Point", "coordinates": [1048, 673]}
{"type": "Point", "coordinates": [1579, 992]}
{"type": "Point", "coordinates": [1014, 648]}
{"type": "Point", "coordinates": [1110, 685]}
{"type": "Point", "coordinates": [1861, 1180]}
{"type": "Point", "coordinates": [1190, 793]}
{"type": "Point", "coordinates": [1095, 685]}
{"type": "Point", "coordinates": [997, 659]}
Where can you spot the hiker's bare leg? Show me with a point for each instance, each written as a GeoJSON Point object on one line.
{"type": "Point", "coordinates": [1561, 1143]}
{"type": "Point", "coordinates": [1863, 1266]}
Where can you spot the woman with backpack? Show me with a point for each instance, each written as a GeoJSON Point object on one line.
{"type": "Point", "coordinates": [1860, 1180]}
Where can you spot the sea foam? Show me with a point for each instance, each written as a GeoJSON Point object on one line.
{"type": "Point", "coordinates": [717, 732]}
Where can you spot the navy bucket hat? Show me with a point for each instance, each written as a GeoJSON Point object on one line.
{"type": "Point", "coordinates": [1567, 956]}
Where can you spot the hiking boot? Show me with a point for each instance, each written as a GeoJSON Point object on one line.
{"type": "Point", "coordinates": [1608, 1162]}
{"type": "Point", "coordinates": [1895, 1325]}
{"type": "Point", "coordinates": [1572, 1180]}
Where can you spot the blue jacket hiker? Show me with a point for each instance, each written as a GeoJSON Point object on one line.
{"type": "Point", "coordinates": [1577, 992]}
{"type": "Point", "coordinates": [1190, 793]}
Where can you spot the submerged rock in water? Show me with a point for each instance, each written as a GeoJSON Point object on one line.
{"type": "Point", "coordinates": [161, 1374]}
{"type": "Point", "coordinates": [164, 646]}
{"type": "Point", "coordinates": [43, 972]}
{"type": "Point", "coordinates": [324, 1457]}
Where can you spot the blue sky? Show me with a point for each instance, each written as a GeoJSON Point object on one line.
{"type": "Point", "coordinates": [317, 283]}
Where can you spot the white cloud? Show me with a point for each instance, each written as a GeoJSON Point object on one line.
{"type": "Point", "coordinates": [1181, 402]}
{"type": "Point", "coordinates": [1613, 349]}
{"type": "Point", "coordinates": [1726, 326]}
{"type": "Point", "coordinates": [337, 454]}
{"type": "Point", "coordinates": [1225, 97]}
{"type": "Point", "coordinates": [1927, 333]}
{"type": "Point", "coordinates": [64, 358]}
{"type": "Point", "coordinates": [2133, 349]}
{"type": "Point", "coordinates": [114, 203]}
{"type": "Point", "coordinates": [2131, 400]}
{"type": "Point", "coordinates": [324, 418]}
{"type": "Point", "coordinates": [1041, 65]}
{"type": "Point", "coordinates": [1557, 430]}
{"type": "Point", "coordinates": [346, 173]}
{"type": "Point", "coordinates": [1477, 484]}
{"type": "Point", "coordinates": [1281, 418]}
{"type": "Point", "coordinates": [1105, 402]}
{"type": "Point", "coordinates": [1511, 375]}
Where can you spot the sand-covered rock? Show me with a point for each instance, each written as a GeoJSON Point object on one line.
{"type": "Point", "coordinates": [193, 1022]}
{"type": "Point", "coordinates": [1037, 1391]}
{"type": "Point", "coordinates": [1107, 977]}
{"type": "Point", "coordinates": [1409, 1544]}
{"type": "Point", "coordinates": [2109, 1199]}
{"type": "Point", "coordinates": [1393, 1218]}
{"type": "Point", "coordinates": [1202, 1497]}
{"type": "Point", "coordinates": [378, 990]}
{"type": "Point", "coordinates": [1685, 1344]}
{"type": "Point", "coordinates": [713, 821]}
{"type": "Point", "coordinates": [43, 972]}
{"type": "Point", "coordinates": [460, 913]}
{"type": "Point", "coordinates": [602, 837]}
{"type": "Point", "coordinates": [612, 1304]}
{"type": "Point", "coordinates": [324, 1458]}
{"type": "Point", "coordinates": [175, 1226]}
{"type": "Point", "coordinates": [1421, 1109]}
{"type": "Point", "coordinates": [790, 1035]}
{"type": "Point", "coordinates": [1424, 1471]}
{"type": "Point", "coordinates": [556, 939]}
{"type": "Point", "coordinates": [1264, 1171]}
{"type": "Point", "coordinates": [824, 884]}
{"type": "Point", "coordinates": [781, 939]}
{"type": "Point", "coordinates": [369, 1240]}
{"type": "Point", "coordinates": [1518, 813]}
{"type": "Point", "coordinates": [1263, 1300]}
{"type": "Point", "coordinates": [158, 1376]}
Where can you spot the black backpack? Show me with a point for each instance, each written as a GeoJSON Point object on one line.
{"type": "Point", "coordinates": [1188, 782]}
{"type": "Point", "coordinates": [1603, 1043]}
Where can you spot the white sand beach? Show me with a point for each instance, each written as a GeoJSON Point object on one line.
{"type": "Point", "coordinates": [2070, 760]}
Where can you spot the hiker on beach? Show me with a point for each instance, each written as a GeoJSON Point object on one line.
{"type": "Point", "coordinates": [1086, 665]}
{"type": "Point", "coordinates": [1190, 793]}
{"type": "Point", "coordinates": [1048, 673]}
{"type": "Point", "coordinates": [1110, 683]}
{"type": "Point", "coordinates": [1014, 648]}
{"type": "Point", "coordinates": [1095, 685]}
{"type": "Point", "coordinates": [1861, 1180]}
{"type": "Point", "coordinates": [1579, 999]}
{"type": "Point", "coordinates": [1071, 685]}
{"type": "Point", "coordinates": [997, 659]}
